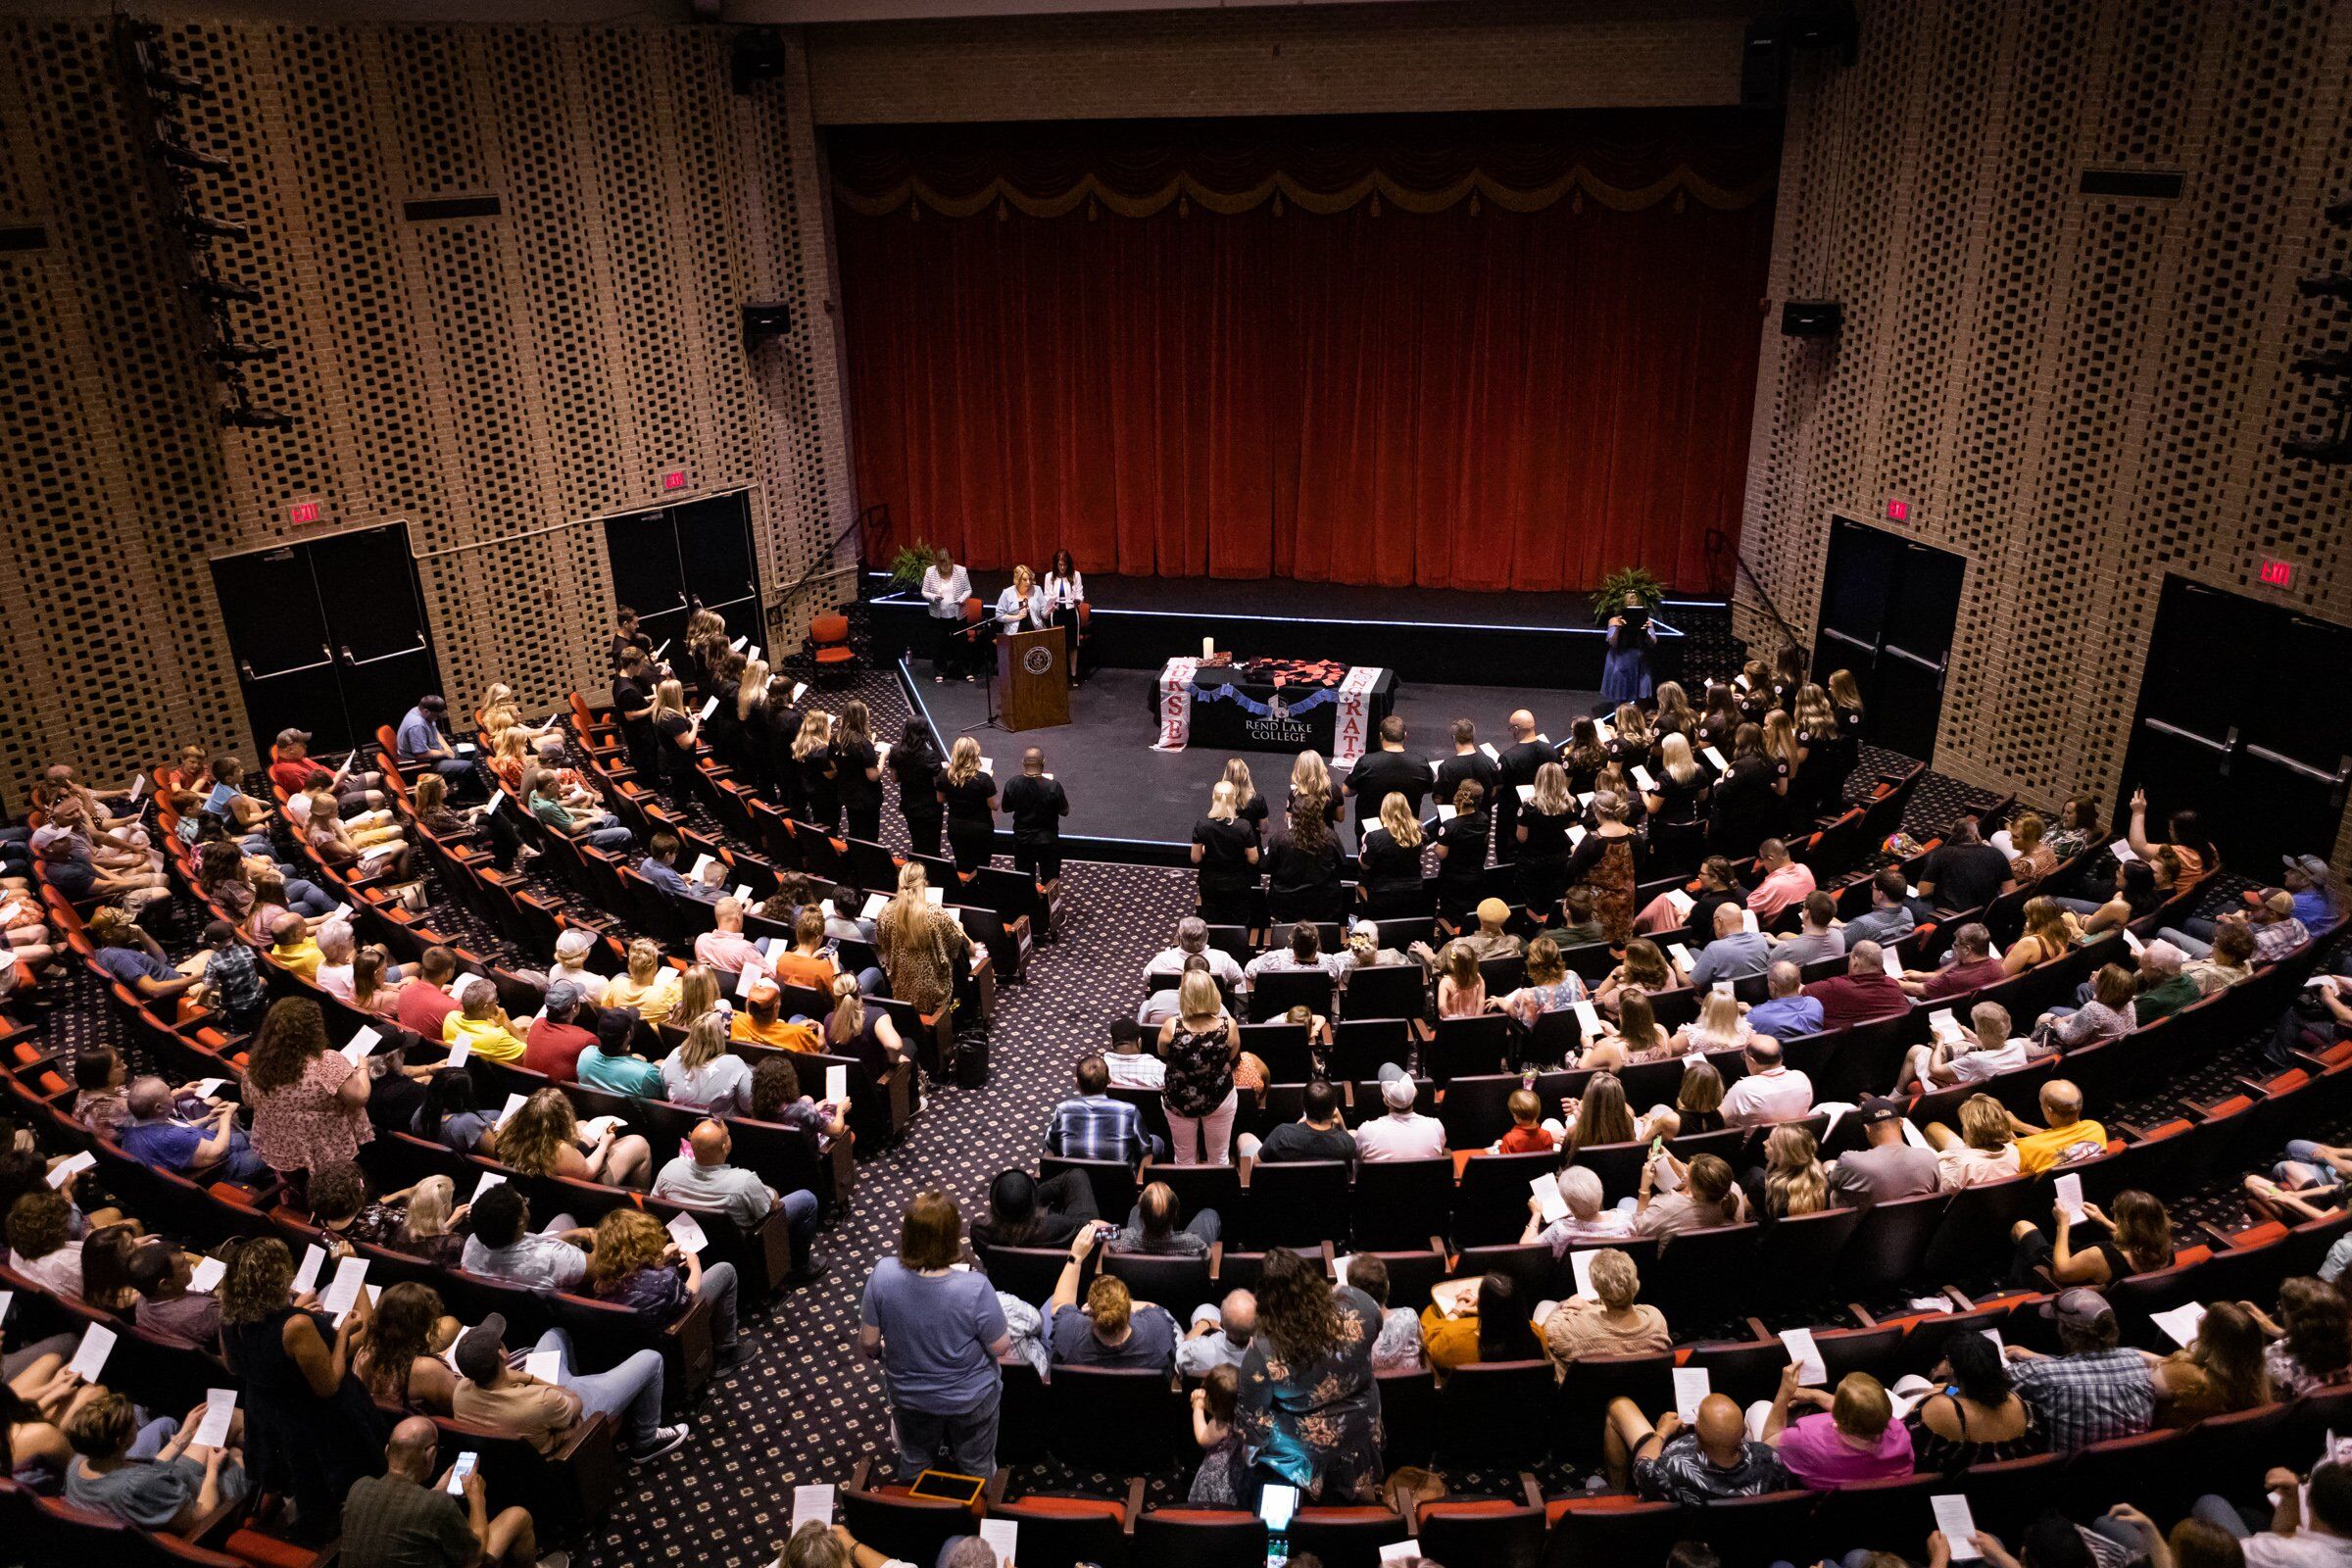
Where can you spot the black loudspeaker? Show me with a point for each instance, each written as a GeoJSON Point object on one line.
{"type": "Point", "coordinates": [757, 55]}
{"type": "Point", "coordinates": [1763, 66]}
{"type": "Point", "coordinates": [767, 321]}
{"type": "Point", "coordinates": [1811, 319]}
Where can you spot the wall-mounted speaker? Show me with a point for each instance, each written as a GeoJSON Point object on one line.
{"type": "Point", "coordinates": [757, 55]}
{"type": "Point", "coordinates": [1811, 319]}
{"type": "Point", "coordinates": [761, 321]}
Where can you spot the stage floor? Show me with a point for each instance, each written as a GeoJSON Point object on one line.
{"type": "Point", "coordinates": [1142, 803]}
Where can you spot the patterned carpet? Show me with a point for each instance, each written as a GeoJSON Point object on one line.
{"type": "Point", "coordinates": [801, 1406]}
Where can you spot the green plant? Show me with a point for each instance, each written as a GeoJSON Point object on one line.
{"type": "Point", "coordinates": [1609, 597]}
{"type": "Point", "coordinates": [910, 561]}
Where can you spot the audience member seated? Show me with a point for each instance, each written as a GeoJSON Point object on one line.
{"type": "Point", "coordinates": [1853, 1435]}
{"type": "Point", "coordinates": [1644, 968]}
{"type": "Point", "coordinates": [1712, 1459]}
{"type": "Point", "coordinates": [650, 986]}
{"type": "Point", "coordinates": [1888, 1166]}
{"type": "Point", "coordinates": [638, 1264]}
{"type": "Point", "coordinates": [159, 1478]}
{"type": "Point", "coordinates": [406, 1517]}
{"type": "Point", "coordinates": [1788, 1014]}
{"type": "Point", "coordinates": [1111, 1330]}
{"type": "Point", "coordinates": [1735, 953]}
{"type": "Point", "coordinates": [614, 1066]}
{"type": "Point", "coordinates": [1613, 1321]}
{"type": "Point", "coordinates": [1863, 993]}
{"type": "Point", "coordinates": [1475, 1321]}
{"type": "Point", "coordinates": [491, 1393]}
{"type": "Point", "coordinates": [1599, 1115]}
{"type": "Point", "coordinates": [1785, 882]}
{"type": "Point", "coordinates": [1770, 1091]}
{"type": "Point", "coordinates": [1321, 1133]}
{"type": "Point", "coordinates": [1984, 1051]}
{"type": "Point", "coordinates": [2311, 1342]}
{"type": "Point", "coordinates": [1151, 1227]}
{"type": "Point", "coordinates": [1971, 967]}
{"type": "Point", "coordinates": [556, 1040]}
{"type": "Point", "coordinates": [503, 1246]}
{"type": "Point", "coordinates": [2218, 1372]}
{"type": "Point", "coordinates": [1302, 954]}
{"type": "Point", "coordinates": [1219, 1337]}
{"type": "Point", "coordinates": [128, 955]}
{"type": "Point", "coordinates": [339, 1206]}
{"type": "Point", "coordinates": [481, 1025]}
{"type": "Point", "coordinates": [2093, 1388]}
{"type": "Point", "coordinates": [2068, 1135]}
{"type": "Point", "coordinates": [1721, 1025]}
{"type": "Point", "coordinates": [1964, 872]}
{"type": "Point", "coordinates": [1191, 939]}
{"type": "Point", "coordinates": [428, 1228]}
{"type": "Point", "coordinates": [1889, 920]}
{"type": "Point", "coordinates": [1697, 1106]}
{"type": "Point", "coordinates": [1092, 1125]}
{"type": "Point", "coordinates": [660, 868]}
{"type": "Point", "coordinates": [1983, 1151]}
{"type": "Point", "coordinates": [2229, 960]}
{"type": "Point", "coordinates": [938, 1332]}
{"type": "Point", "coordinates": [701, 1074]}
{"type": "Point", "coordinates": [1817, 936]}
{"type": "Point", "coordinates": [543, 1138]}
{"type": "Point", "coordinates": [163, 1274]}
{"type": "Point", "coordinates": [2195, 853]}
{"type": "Point", "coordinates": [2138, 1241]}
{"type": "Point", "coordinates": [1552, 986]}
{"type": "Point", "coordinates": [448, 1115]}
{"type": "Point", "coordinates": [1708, 1197]}
{"type": "Point", "coordinates": [1588, 1222]}
{"type": "Point", "coordinates": [1024, 1211]}
{"type": "Point", "coordinates": [1975, 1415]}
{"type": "Point", "coordinates": [1221, 1479]}
{"type": "Point", "coordinates": [211, 1149]}
{"type": "Point", "coordinates": [702, 1178]}
{"type": "Point", "coordinates": [39, 1246]}
{"type": "Point", "coordinates": [1131, 1065]}
{"type": "Point", "coordinates": [425, 1003]}
{"type": "Point", "coordinates": [1791, 1181]}
{"type": "Point", "coordinates": [2111, 1012]}
{"type": "Point", "coordinates": [1404, 1133]}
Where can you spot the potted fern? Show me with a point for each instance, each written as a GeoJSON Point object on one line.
{"type": "Point", "coordinates": [1610, 597]}
{"type": "Point", "coordinates": [908, 563]}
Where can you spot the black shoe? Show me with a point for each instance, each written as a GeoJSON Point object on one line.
{"type": "Point", "coordinates": [730, 1355]}
{"type": "Point", "coordinates": [809, 1273]}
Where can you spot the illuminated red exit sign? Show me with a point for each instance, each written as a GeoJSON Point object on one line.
{"type": "Point", "coordinates": [302, 512]}
{"type": "Point", "coordinates": [2279, 573]}
{"type": "Point", "coordinates": [1897, 509]}
{"type": "Point", "coordinates": [674, 479]}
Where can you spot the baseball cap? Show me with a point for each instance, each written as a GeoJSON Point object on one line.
{"type": "Point", "coordinates": [1492, 911]}
{"type": "Point", "coordinates": [2078, 1308]}
{"type": "Point", "coordinates": [1397, 1093]}
{"type": "Point", "coordinates": [482, 1349]}
{"type": "Point", "coordinates": [574, 942]}
{"type": "Point", "coordinates": [564, 993]}
{"type": "Point", "coordinates": [293, 737]}
{"type": "Point", "coordinates": [1877, 1108]}
{"type": "Point", "coordinates": [2279, 902]}
{"type": "Point", "coordinates": [616, 1028]}
{"type": "Point", "coordinates": [2311, 865]}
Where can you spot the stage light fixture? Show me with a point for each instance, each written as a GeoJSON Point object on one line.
{"type": "Point", "coordinates": [166, 82]}
{"type": "Point", "coordinates": [219, 290]}
{"type": "Point", "coordinates": [2326, 285]}
{"type": "Point", "coordinates": [2335, 451]}
{"type": "Point", "coordinates": [201, 227]}
{"type": "Point", "coordinates": [141, 30]}
{"type": "Point", "coordinates": [756, 55]}
{"type": "Point", "coordinates": [180, 157]}
{"type": "Point", "coordinates": [2336, 362]}
{"type": "Point", "coordinates": [250, 419]}
{"type": "Point", "coordinates": [233, 350]}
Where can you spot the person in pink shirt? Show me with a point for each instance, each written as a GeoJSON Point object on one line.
{"type": "Point", "coordinates": [1784, 881]}
{"type": "Point", "coordinates": [1853, 1436]}
{"type": "Point", "coordinates": [726, 949]}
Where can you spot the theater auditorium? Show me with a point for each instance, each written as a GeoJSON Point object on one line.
{"type": "Point", "coordinates": [1176, 783]}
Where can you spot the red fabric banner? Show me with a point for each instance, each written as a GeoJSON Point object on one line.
{"type": "Point", "coordinates": [1471, 397]}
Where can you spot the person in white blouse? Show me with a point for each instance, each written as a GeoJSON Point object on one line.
{"type": "Point", "coordinates": [1021, 607]}
{"type": "Point", "coordinates": [946, 586]}
{"type": "Point", "coordinates": [1065, 591]}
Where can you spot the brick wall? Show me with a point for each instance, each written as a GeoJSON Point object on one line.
{"type": "Point", "coordinates": [481, 380]}
{"type": "Point", "coordinates": [2077, 394]}
{"type": "Point", "coordinates": [1298, 59]}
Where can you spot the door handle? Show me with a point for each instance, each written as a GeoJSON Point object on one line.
{"type": "Point", "coordinates": [2318, 775]}
{"type": "Point", "coordinates": [397, 653]}
{"type": "Point", "coordinates": [2221, 748]}
{"type": "Point", "coordinates": [246, 666]}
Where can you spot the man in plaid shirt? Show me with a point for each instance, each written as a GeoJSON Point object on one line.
{"type": "Point", "coordinates": [2093, 1390]}
{"type": "Point", "coordinates": [1095, 1126]}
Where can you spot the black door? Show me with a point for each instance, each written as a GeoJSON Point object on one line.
{"type": "Point", "coordinates": [329, 636]}
{"type": "Point", "coordinates": [1887, 606]}
{"type": "Point", "coordinates": [670, 560]}
{"type": "Point", "coordinates": [2219, 732]}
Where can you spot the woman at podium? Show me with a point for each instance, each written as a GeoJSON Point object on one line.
{"type": "Point", "coordinates": [1021, 607]}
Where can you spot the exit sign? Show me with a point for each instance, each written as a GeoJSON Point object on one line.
{"type": "Point", "coordinates": [2279, 573]}
{"type": "Point", "coordinates": [674, 479]}
{"type": "Point", "coordinates": [302, 512]}
{"type": "Point", "coordinates": [1897, 509]}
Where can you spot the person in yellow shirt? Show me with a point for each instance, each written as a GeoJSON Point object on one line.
{"type": "Point", "coordinates": [2039, 1149]}
{"type": "Point", "coordinates": [761, 1022]}
{"type": "Point", "coordinates": [291, 946]}
{"type": "Point", "coordinates": [483, 1024]}
{"type": "Point", "coordinates": [650, 986]}
{"type": "Point", "coordinates": [1480, 1319]}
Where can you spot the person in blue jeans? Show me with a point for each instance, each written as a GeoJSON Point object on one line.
{"type": "Point", "coordinates": [2291, 1540]}
{"type": "Point", "coordinates": [543, 1413]}
{"type": "Point", "coordinates": [421, 740]}
{"type": "Point", "coordinates": [938, 1332]}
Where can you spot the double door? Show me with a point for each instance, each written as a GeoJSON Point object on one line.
{"type": "Point", "coordinates": [667, 562]}
{"type": "Point", "coordinates": [328, 635]}
{"type": "Point", "coordinates": [1888, 607]}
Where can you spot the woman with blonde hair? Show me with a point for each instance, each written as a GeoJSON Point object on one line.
{"type": "Point", "coordinates": [650, 986]}
{"type": "Point", "coordinates": [1311, 788]}
{"type": "Point", "coordinates": [1638, 1036]}
{"type": "Point", "coordinates": [858, 772]}
{"type": "Point", "coordinates": [698, 996]}
{"type": "Point", "coordinates": [1820, 786]}
{"type": "Point", "coordinates": [1983, 1151]}
{"type": "Point", "coordinates": [1544, 818]}
{"type": "Point", "coordinates": [429, 1227]}
{"type": "Point", "coordinates": [1795, 1182]}
{"type": "Point", "coordinates": [543, 1138]}
{"type": "Point", "coordinates": [1721, 1025]}
{"type": "Point", "coordinates": [1202, 1047]}
{"type": "Point", "coordinates": [853, 1029]}
{"type": "Point", "coordinates": [968, 793]}
{"type": "Point", "coordinates": [1786, 754]}
{"type": "Point", "coordinates": [676, 730]}
{"type": "Point", "coordinates": [812, 764]}
{"type": "Point", "coordinates": [2031, 858]}
{"type": "Point", "coordinates": [1226, 851]}
{"type": "Point", "coordinates": [923, 949]}
{"type": "Point", "coordinates": [1247, 804]}
{"type": "Point", "coordinates": [1681, 786]}
{"type": "Point", "coordinates": [1461, 987]}
{"type": "Point", "coordinates": [2051, 932]}
{"type": "Point", "coordinates": [1388, 864]}
{"type": "Point", "coordinates": [1697, 1106]}
{"type": "Point", "coordinates": [1675, 714]}
{"type": "Point", "coordinates": [701, 1075]}
{"type": "Point", "coordinates": [1022, 606]}
{"type": "Point", "coordinates": [1633, 739]}
{"type": "Point", "coordinates": [1846, 708]}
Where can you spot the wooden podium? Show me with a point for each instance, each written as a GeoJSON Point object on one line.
{"type": "Point", "coordinates": [1034, 670]}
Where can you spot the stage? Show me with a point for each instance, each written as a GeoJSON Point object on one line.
{"type": "Point", "coordinates": [1547, 641]}
{"type": "Point", "coordinates": [1132, 804]}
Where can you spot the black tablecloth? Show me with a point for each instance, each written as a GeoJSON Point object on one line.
{"type": "Point", "coordinates": [1233, 712]}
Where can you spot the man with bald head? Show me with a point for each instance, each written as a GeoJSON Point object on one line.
{"type": "Point", "coordinates": [158, 1135]}
{"type": "Point", "coordinates": [1037, 802]}
{"type": "Point", "coordinates": [404, 1518]}
{"type": "Point", "coordinates": [1220, 1334]}
{"type": "Point", "coordinates": [703, 1179]}
{"type": "Point", "coordinates": [1692, 1465]}
{"type": "Point", "coordinates": [1515, 765]}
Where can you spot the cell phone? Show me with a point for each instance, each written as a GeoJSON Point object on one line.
{"type": "Point", "coordinates": [459, 1471]}
{"type": "Point", "coordinates": [1657, 1147]}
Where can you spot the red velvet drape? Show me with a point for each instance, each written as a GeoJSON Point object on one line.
{"type": "Point", "coordinates": [1480, 399]}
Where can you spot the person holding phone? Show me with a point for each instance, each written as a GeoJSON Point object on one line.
{"type": "Point", "coordinates": [1625, 672]}
{"type": "Point", "coordinates": [404, 1518]}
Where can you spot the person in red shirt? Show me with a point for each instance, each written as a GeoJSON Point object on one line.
{"type": "Point", "coordinates": [1526, 1137]}
{"type": "Point", "coordinates": [1972, 965]}
{"type": "Point", "coordinates": [424, 1001]}
{"type": "Point", "coordinates": [292, 770]}
{"type": "Point", "coordinates": [1866, 991]}
{"type": "Point", "coordinates": [556, 1040]}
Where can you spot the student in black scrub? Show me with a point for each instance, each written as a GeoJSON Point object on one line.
{"type": "Point", "coordinates": [632, 710]}
{"type": "Point", "coordinates": [915, 761]}
{"type": "Point", "coordinates": [722, 731]}
{"type": "Point", "coordinates": [1820, 783]}
{"type": "Point", "coordinates": [1389, 867]}
{"type": "Point", "coordinates": [1463, 852]}
{"type": "Point", "coordinates": [1037, 804]}
{"type": "Point", "coordinates": [1516, 765]}
{"type": "Point", "coordinates": [1630, 742]}
{"type": "Point", "coordinates": [1747, 799]}
{"type": "Point", "coordinates": [676, 734]}
{"type": "Point", "coordinates": [1719, 723]}
{"type": "Point", "coordinates": [969, 794]}
{"type": "Point", "coordinates": [625, 635]}
{"type": "Point", "coordinates": [1311, 780]}
{"type": "Point", "coordinates": [1303, 866]}
{"type": "Point", "coordinates": [1247, 804]}
{"type": "Point", "coordinates": [1680, 798]}
{"type": "Point", "coordinates": [1226, 852]}
{"type": "Point", "coordinates": [1388, 771]}
{"type": "Point", "coordinates": [1583, 756]}
{"type": "Point", "coordinates": [779, 725]}
{"type": "Point", "coordinates": [1466, 763]}
{"type": "Point", "coordinates": [813, 758]}
{"type": "Point", "coordinates": [1543, 824]}
{"type": "Point", "coordinates": [858, 772]}
{"type": "Point", "coordinates": [1846, 706]}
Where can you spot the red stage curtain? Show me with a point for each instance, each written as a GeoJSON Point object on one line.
{"type": "Point", "coordinates": [1466, 397]}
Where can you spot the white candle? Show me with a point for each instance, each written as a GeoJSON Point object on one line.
{"type": "Point", "coordinates": [1209, 646]}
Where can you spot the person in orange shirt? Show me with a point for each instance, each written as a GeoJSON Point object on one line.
{"type": "Point", "coordinates": [808, 963]}
{"type": "Point", "coordinates": [761, 1022]}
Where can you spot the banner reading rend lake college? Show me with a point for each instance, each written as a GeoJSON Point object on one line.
{"type": "Point", "coordinates": [1175, 705]}
{"type": "Point", "coordinates": [1356, 707]}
